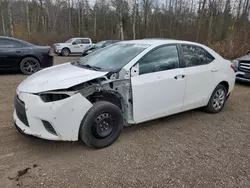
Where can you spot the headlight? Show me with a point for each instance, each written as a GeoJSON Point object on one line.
{"type": "Point", "coordinates": [50, 97]}
{"type": "Point", "coordinates": [236, 63]}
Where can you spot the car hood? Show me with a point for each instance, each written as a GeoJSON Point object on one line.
{"type": "Point", "coordinates": [244, 58]}
{"type": "Point", "coordinates": [58, 77]}
{"type": "Point", "coordinates": [92, 49]}
{"type": "Point", "coordinates": [89, 48]}
{"type": "Point", "coordinates": [62, 44]}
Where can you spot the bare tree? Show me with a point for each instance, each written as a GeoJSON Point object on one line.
{"type": "Point", "coordinates": [223, 25]}
{"type": "Point", "coordinates": [2, 18]}
{"type": "Point", "coordinates": [27, 18]}
{"type": "Point", "coordinates": [11, 24]}
{"type": "Point", "coordinates": [146, 4]}
{"type": "Point", "coordinates": [200, 17]}
{"type": "Point", "coordinates": [135, 7]}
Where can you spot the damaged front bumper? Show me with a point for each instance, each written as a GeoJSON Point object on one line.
{"type": "Point", "coordinates": [58, 120]}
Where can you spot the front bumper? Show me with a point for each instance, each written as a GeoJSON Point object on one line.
{"type": "Point", "coordinates": [242, 76]}
{"type": "Point", "coordinates": [57, 51]}
{"type": "Point", "coordinates": [59, 120]}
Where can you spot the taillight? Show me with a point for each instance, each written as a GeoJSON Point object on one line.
{"type": "Point", "coordinates": [233, 67]}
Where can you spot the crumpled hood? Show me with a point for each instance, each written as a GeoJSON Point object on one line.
{"type": "Point", "coordinates": [244, 58]}
{"type": "Point", "coordinates": [58, 77]}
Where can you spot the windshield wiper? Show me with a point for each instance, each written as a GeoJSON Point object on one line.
{"type": "Point", "coordinates": [87, 66]}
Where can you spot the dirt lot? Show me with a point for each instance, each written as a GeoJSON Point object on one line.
{"type": "Point", "coordinates": [191, 149]}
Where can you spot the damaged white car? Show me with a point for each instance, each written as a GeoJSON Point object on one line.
{"type": "Point", "coordinates": [126, 83]}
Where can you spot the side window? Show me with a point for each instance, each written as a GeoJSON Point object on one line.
{"type": "Point", "coordinates": [195, 56]}
{"type": "Point", "coordinates": [5, 43]}
{"type": "Point", "coordinates": [77, 41]}
{"type": "Point", "coordinates": [85, 41]}
{"type": "Point", "coordinates": [161, 59]}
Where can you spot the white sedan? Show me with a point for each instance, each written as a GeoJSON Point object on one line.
{"type": "Point", "coordinates": [126, 83]}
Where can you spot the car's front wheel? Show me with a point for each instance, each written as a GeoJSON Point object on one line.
{"type": "Point", "coordinates": [29, 65]}
{"type": "Point", "coordinates": [65, 52]}
{"type": "Point", "coordinates": [102, 125]}
{"type": "Point", "coordinates": [217, 100]}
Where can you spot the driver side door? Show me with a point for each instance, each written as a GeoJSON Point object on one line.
{"type": "Point", "coordinates": [77, 46]}
{"type": "Point", "coordinates": [159, 88]}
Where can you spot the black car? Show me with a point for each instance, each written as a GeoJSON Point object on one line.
{"type": "Point", "coordinates": [97, 46]}
{"type": "Point", "coordinates": [242, 66]}
{"type": "Point", "coordinates": [20, 55]}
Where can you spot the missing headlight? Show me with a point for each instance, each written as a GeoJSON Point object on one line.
{"type": "Point", "coordinates": [50, 97]}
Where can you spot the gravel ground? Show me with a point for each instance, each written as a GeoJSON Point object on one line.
{"type": "Point", "coordinates": [191, 149]}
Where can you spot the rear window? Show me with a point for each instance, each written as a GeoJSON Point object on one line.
{"type": "Point", "coordinates": [6, 43]}
{"type": "Point", "coordinates": [85, 41]}
{"type": "Point", "coordinates": [195, 55]}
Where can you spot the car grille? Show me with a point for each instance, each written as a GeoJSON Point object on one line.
{"type": "Point", "coordinates": [20, 110]}
{"type": "Point", "coordinates": [244, 66]}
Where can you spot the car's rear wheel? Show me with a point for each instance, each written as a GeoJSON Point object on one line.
{"type": "Point", "coordinates": [217, 100]}
{"type": "Point", "coordinates": [101, 125]}
{"type": "Point", "coordinates": [65, 52]}
{"type": "Point", "coordinates": [29, 65]}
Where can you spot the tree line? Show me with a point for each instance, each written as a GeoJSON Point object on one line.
{"type": "Point", "coordinates": [220, 24]}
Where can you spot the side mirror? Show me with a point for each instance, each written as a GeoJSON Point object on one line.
{"type": "Point", "coordinates": [134, 70]}
{"type": "Point", "coordinates": [73, 43]}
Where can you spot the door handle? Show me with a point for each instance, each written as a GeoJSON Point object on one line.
{"type": "Point", "coordinates": [179, 76]}
{"type": "Point", "coordinates": [214, 70]}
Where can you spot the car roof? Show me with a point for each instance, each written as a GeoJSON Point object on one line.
{"type": "Point", "coordinates": [108, 40]}
{"type": "Point", "coordinates": [12, 38]}
{"type": "Point", "coordinates": [6, 37]}
{"type": "Point", "coordinates": [80, 38]}
{"type": "Point", "coordinates": [157, 42]}
{"type": "Point", "coordinates": [156, 38]}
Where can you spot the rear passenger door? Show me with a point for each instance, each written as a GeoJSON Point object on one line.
{"type": "Point", "coordinates": [84, 43]}
{"type": "Point", "coordinates": [77, 46]}
{"type": "Point", "coordinates": [200, 74]}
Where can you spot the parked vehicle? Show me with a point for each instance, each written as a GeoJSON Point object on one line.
{"type": "Point", "coordinates": [72, 46]}
{"type": "Point", "coordinates": [97, 46]}
{"type": "Point", "coordinates": [125, 83]}
{"type": "Point", "coordinates": [242, 65]}
{"type": "Point", "coordinates": [20, 55]}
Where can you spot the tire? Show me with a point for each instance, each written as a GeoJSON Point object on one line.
{"type": "Point", "coordinates": [65, 52]}
{"type": "Point", "coordinates": [29, 65]}
{"type": "Point", "coordinates": [220, 90]}
{"type": "Point", "coordinates": [102, 115]}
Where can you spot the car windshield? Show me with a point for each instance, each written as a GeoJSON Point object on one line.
{"type": "Point", "coordinates": [69, 41]}
{"type": "Point", "coordinates": [113, 57]}
{"type": "Point", "coordinates": [100, 44]}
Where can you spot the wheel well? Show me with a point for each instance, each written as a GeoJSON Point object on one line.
{"type": "Point", "coordinates": [225, 84]}
{"type": "Point", "coordinates": [67, 49]}
{"type": "Point", "coordinates": [29, 56]}
{"type": "Point", "coordinates": [105, 96]}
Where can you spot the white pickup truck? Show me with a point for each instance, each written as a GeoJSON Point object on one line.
{"type": "Point", "coordinates": [72, 46]}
